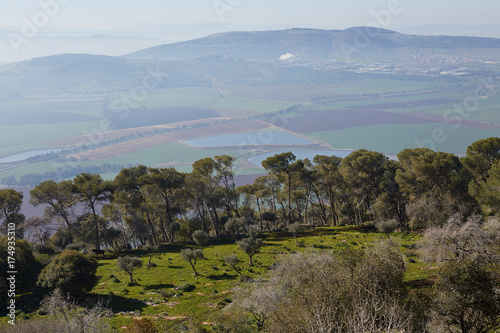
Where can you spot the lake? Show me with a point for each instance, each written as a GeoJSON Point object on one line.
{"type": "Point", "coordinates": [249, 139]}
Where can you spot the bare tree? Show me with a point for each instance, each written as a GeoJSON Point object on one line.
{"type": "Point", "coordinates": [64, 316]}
{"type": "Point", "coordinates": [320, 292]}
{"type": "Point", "coordinates": [461, 239]}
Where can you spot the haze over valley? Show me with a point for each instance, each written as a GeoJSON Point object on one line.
{"type": "Point", "coordinates": [357, 88]}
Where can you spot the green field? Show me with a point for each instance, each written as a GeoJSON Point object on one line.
{"type": "Point", "coordinates": [18, 138]}
{"type": "Point", "coordinates": [396, 137]}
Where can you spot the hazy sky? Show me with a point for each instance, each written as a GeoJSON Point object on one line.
{"type": "Point", "coordinates": [37, 28]}
{"type": "Point", "coordinates": [333, 13]}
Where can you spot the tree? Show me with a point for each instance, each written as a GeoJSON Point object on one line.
{"type": "Point", "coordinates": [65, 316]}
{"type": "Point", "coordinates": [129, 193]}
{"type": "Point", "coordinates": [92, 190]}
{"type": "Point", "coordinates": [463, 239]}
{"type": "Point", "coordinates": [363, 171]}
{"type": "Point", "coordinates": [225, 173]}
{"type": "Point", "coordinates": [481, 161]}
{"type": "Point", "coordinates": [467, 298]}
{"type": "Point", "coordinates": [201, 238]}
{"type": "Point", "coordinates": [330, 292]}
{"type": "Point", "coordinates": [330, 182]}
{"type": "Point", "coordinates": [10, 207]}
{"type": "Point", "coordinates": [40, 230]}
{"type": "Point", "coordinates": [234, 225]}
{"type": "Point", "coordinates": [250, 246]}
{"type": "Point", "coordinates": [437, 178]}
{"type": "Point", "coordinates": [58, 197]}
{"type": "Point", "coordinates": [232, 260]}
{"type": "Point", "coordinates": [152, 250]}
{"type": "Point", "coordinates": [294, 229]}
{"type": "Point", "coordinates": [206, 191]}
{"type": "Point", "coordinates": [481, 155]}
{"type": "Point", "coordinates": [192, 256]}
{"type": "Point", "coordinates": [466, 293]}
{"type": "Point", "coordinates": [168, 183]}
{"type": "Point", "coordinates": [128, 264]}
{"type": "Point", "coordinates": [387, 227]}
{"type": "Point", "coordinates": [71, 272]}
{"type": "Point", "coordinates": [283, 166]}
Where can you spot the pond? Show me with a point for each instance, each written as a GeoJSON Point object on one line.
{"type": "Point", "coordinates": [27, 154]}
{"type": "Point", "coordinates": [249, 139]}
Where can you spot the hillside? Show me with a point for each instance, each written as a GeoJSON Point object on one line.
{"type": "Point", "coordinates": [306, 44]}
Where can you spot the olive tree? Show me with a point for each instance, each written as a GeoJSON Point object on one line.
{"type": "Point", "coordinates": [128, 264]}
{"type": "Point", "coordinates": [201, 238]}
{"type": "Point", "coordinates": [192, 256]}
{"type": "Point", "coordinates": [232, 260]}
{"type": "Point", "coordinates": [250, 246]}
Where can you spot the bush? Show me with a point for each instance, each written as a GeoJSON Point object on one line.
{"type": "Point", "coordinates": [143, 325]}
{"type": "Point", "coordinates": [65, 316]}
{"type": "Point", "coordinates": [187, 287]}
{"type": "Point", "coordinates": [71, 272]}
{"type": "Point", "coordinates": [166, 294]}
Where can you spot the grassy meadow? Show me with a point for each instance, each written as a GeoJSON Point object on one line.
{"type": "Point", "coordinates": [158, 294]}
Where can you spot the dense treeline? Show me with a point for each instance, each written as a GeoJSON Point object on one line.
{"type": "Point", "coordinates": [143, 205]}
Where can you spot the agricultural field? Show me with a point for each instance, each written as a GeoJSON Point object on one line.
{"type": "Point", "coordinates": [394, 138]}
{"type": "Point", "coordinates": [169, 293]}
{"type": "Point", "coordinates": [402, 114]}
{"type": "Point", "coordinates": [125, 119]}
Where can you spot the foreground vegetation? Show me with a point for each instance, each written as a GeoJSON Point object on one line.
{"type": "Point", "coordinates": [192, 252]}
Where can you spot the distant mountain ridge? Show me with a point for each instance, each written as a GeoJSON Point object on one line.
{"type": "Point", "coordinates": [246, 58]}
{"type": "Point", "coordinates": [305, 43]}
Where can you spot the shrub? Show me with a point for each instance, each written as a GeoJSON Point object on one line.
{"type": "Point", "coordinates": [187, 287]}
{"type": "Point", "coordinates": [71, 272]}
{"type": "Point", "coordinates": [166, 294]}
{"type": "Point", "coordinates": [143, 325]}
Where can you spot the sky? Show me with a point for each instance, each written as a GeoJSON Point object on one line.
{"type": "Point", "coordinates": [36, 23]}
{"type": "Point", "coordinates": [110, 13]}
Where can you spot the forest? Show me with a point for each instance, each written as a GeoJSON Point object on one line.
{"type": "Point", "coordinates": [451, 202]}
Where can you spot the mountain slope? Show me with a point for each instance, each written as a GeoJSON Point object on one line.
{"type": "Point", "coordinates": [305, 43]}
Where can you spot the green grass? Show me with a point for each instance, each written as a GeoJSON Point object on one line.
{"type": "Point", "coordinates": [244, 107]}
{"type": "Point", "coordinates": [396, 137]}
{"type": "Point", "coordinates": [216, 279]}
